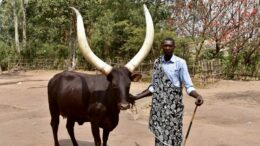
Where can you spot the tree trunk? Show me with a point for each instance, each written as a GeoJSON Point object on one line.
{"type": "Point", "coordinates": [17, 45]}
{"type": "Point", "coordinates": [72, 45]}
{"type": "Point", "coordinates": [198, 50]}
{"type": "Point", "coordinates": [234, 62]}
{"type": "Point", "coordinates": [24, 6]}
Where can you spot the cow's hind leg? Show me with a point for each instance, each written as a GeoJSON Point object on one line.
{"type": "Point", "coordinates": [105, 136]}
{"type": "Point", "coordinates": [55, 125]}
{"type": "Point", "coordinates": [70, 127]}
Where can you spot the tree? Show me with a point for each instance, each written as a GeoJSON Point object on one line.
{"type": "Point", "coordinates": [17, 44]}
{"type": "Point", "coordinates": [7, 50]}
{"type": "Point", "coordinates": [227, 24]}
{"type": "Point", "coordinates": [24, 4]}
{"type": "Point", "coordinates": [116, 28]}
{"type": "Point", "coordinates": [234, 30]}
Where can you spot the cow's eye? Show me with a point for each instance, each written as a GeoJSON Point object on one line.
{"type": "Point", "coordinates": [113, 86]}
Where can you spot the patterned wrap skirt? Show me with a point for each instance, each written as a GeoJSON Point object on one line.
{"type": "Point", "coordinates": [166, 113]}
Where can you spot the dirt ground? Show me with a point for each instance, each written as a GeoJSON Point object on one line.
{"type": "Point", "coordinates": [229, 117]}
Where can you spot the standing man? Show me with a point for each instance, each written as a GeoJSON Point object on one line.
{"type": "Point", "coordinates": [169, 74]}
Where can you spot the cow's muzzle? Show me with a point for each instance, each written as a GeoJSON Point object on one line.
{"type": "Point", "coordinates": [124, 106]}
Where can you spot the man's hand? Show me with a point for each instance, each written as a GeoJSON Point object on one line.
{"type": "Point", "coordinates": [131, 99]}
{"type": "Point", "coordinates": [199, 100]}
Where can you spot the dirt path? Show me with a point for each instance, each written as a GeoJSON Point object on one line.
{"type": "Point", "coordinates": [229, 117]}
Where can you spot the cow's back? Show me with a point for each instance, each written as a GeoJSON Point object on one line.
{"type": "Point", "coordinates": [72, 93]}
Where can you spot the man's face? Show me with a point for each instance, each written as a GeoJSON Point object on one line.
{"type": "Point", "coordinates": [168, 47]}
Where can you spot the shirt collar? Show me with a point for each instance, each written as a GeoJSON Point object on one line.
{"type": "Point", "coordinates": [172, 60]}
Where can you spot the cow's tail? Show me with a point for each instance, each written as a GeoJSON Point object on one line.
{"type": "Point", "coordinates": [52, 97]}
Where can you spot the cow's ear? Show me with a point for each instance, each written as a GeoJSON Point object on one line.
{"type": "Point", "coordinates": [135, 77]}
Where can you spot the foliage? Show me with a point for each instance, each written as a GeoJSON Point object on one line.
{"type": "Point", "coordinates": [6, 53]}
{"type": "Point", "coordinates": [115, 30]}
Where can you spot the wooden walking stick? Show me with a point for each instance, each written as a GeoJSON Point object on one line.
{"type": "Point", "coordinates": [186, 137]}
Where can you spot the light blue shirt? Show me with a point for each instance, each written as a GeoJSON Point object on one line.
{"type": "Point", "coordinates": [177, 71]}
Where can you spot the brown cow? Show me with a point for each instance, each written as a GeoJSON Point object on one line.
{"type": "Point", "coordinates": [94, 98]}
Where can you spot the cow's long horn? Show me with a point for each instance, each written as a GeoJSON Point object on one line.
{"type": "Point", "coordinates": [147, 45]}
{"type": "Point", "coordinates": [85, 49]}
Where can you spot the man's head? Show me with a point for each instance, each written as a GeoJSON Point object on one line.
{"type": "Point", "coordinates": [168, 46]}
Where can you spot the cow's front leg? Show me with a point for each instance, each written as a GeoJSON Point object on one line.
{"type": "Point", "coordinates": [95, 132]}
{"type": "Point", "coordinates": [105, 136]}
{"type": "Point", "coordinates": [70, 128]}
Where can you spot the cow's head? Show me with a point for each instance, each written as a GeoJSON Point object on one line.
{"type": "Point", "coordinates": [120, 78]}
{"type": "Point", "coordinates": [120, 81]}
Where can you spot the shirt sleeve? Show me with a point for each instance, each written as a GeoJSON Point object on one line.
{"type": "Point", "coordinates": [185, 78]}
{"type": "Point", "coordinates": [151, 88]}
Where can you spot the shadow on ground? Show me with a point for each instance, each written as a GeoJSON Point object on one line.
{"type": "Point", "coordinates": [67, 142]}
